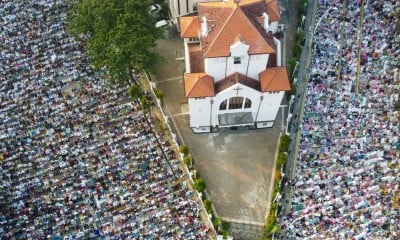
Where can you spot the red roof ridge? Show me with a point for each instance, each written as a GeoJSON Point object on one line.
{"type": "Point", "coordinates": [257, 40]}
{"type": "Point", "coordinates": [221, 29]}
{"type": "Point", "coordinates": [202, 82]}
{"type": "Point", "coordinates": [272, 5]}
{"type": "Point", "coordinates": [187, 27]}
{"type": "Point", "coordinates": [235, 78]}
{"type": "Point", "coordinates": [269, 77]}
{"type": "Point", "coordinates": [238, 38]}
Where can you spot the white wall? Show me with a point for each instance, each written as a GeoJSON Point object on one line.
{"type": "Point", "coordinates": [215, 67]}
{"type": "Point", "coordinates": [246, 92]}
{"type": "Point", "coordinates": [240, 68]}
{"type": "Point", "coordinates": [220, 68]}
{"type": "Point", "coordinates": [251, 66]}
{"type": "Point", "coordinates": [278, 52]}
{"type": "Point", "coordinates": [182, 8]}
{"type": "Point", "coordinates": [187, 58]}
{"type": "Point", "coordinates": [199, 110]}
{"type": "Point", "coordinates": [257, 64]}
{"type": "Point", "coordinates": [270, 106]}
{"type": "Point", "coordinates": [238, 50]}
{"type": "Point", "coordinates": [273, 27]}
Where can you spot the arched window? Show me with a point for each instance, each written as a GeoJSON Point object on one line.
{"type": "Point", "coordinates": [235, 103]}
{"type": "Point", "coordinates": [247, 103]}
{"type": "Point", "coordinates": [222, 106]}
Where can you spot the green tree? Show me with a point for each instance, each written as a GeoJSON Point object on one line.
{"type": "Point", "coordinates": [225, 225]}
{"type": "Point", "coordinates": [302, 7]}
{"type": "Point", "coordinates": [284, 145]}
{"type": "Point", "coordinates": [187, 160]}
{"type": "Point", "coordinates": [296, 49]}
{"type": "Point", "coordinates": [199, 184]}
{"type": "Point", "coordinates": [145, 104]}
{"type": "Point", "coordinates": [207, 205]}
{"type": "Point", "coordinates": [135, 92]}
{"type": "Point", "coordinates": [292, 64]}
{"type": "Point", "coordinates": [118, 35]}
{"type": "Point", "coordinates": [282, 157]}
{"type": "Point", "coordinates": [216, 221]}
{"type": "Point", "coordinates": [159, 94]}
{"type": "Point", "coordinates": [183, 149]}
{"type": "Point", "coordinates": [300, 36]}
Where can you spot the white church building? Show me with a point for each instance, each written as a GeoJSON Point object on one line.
{"type": "Point", "coordinates": [233, 74]}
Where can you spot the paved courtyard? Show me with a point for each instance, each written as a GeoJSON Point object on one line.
{"type": "Point", "coordinates": [236, 164]}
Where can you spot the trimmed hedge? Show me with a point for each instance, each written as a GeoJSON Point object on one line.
{"type": "Point", "coordinates": [296, 49]}
{"type": "Point", "coordinates": [186, 160]}
{"type": "Point", "coordinates": [224, 225]}
{"type": "Point", "coordinates": [271, 221]}
{"type": "Point", "coordinates": [292, 63]}
{"type": "Point", "coordinates": [207, 205]}
{"type": "Point", "coordinates": [184, 150]}
{"type": "Point", "coordinates": [159, 94]}
{"type": "Point", "coordinates": [284, 145]}
{"type": "Point", "coordinates": [302, 7]}
{"type": "Point", "coordinates": [199, 184]}
{"type": "Point", "coordinates": [272, 225]}
{"type": "Point", "coordinates": [282, 157]}
{"type": "Point", "coordinates": [301, 35]}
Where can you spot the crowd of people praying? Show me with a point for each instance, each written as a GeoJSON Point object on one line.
{"type": "Point", "coordinates": [78, 158]}
{"type": "Point", "coordinates": [348, 168]}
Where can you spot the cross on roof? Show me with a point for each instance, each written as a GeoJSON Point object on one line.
{"type": "Point", "coordinates": [237, 90]}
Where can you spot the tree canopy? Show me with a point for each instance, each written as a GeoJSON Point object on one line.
{"type": "Point", "coordinates": [118, 34]}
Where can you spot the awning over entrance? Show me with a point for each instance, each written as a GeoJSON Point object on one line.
{"type": "Point", "coordinates": [231, 119]}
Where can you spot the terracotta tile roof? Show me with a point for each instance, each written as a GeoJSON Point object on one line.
{"type": "Point", "coordinates": [238, 38]}
{"type": "Point", "coordinates": [218, 15]}
{"type": "Point", "coordinates": [227, 20]}
{"type": "Point", "coordinates": [255, 13]}
{"type": "Point", "coordinates": [189, 26]}
{"type": "Point", "coordinates": [198, 85]}
{"type": "Point", "coordinates": [274, 79]}
{"type": "Point", "coordinates": [257, 8]}
{"type": "Point", "coordinates": [196, 60]}
{"type": "Point", "coordinates": [273, 11]}
{"type": "Point", "coordinates": [236, 78]}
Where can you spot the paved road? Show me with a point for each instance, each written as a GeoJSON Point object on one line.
{"type": "Point", "coordinates": [290, 169]}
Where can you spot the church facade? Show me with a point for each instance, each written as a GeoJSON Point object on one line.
{"type": "Point", "coordinates": [233, 74]}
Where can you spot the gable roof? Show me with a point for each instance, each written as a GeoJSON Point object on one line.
{"type": "Point", "coordinates": [273, 10]}
{"type": "Point", "coordinates": [225, 21]}
{"type": "Point", "coordinates": [190, 26]}
{"type": "Point", "coordinates": [257, 8]}
{"type": "Point", "coordinates": [274, 79]}
{"type": "Point", "coordinates": [234, 79]}
{"type": "Point", "coordinates": [198, 85]}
